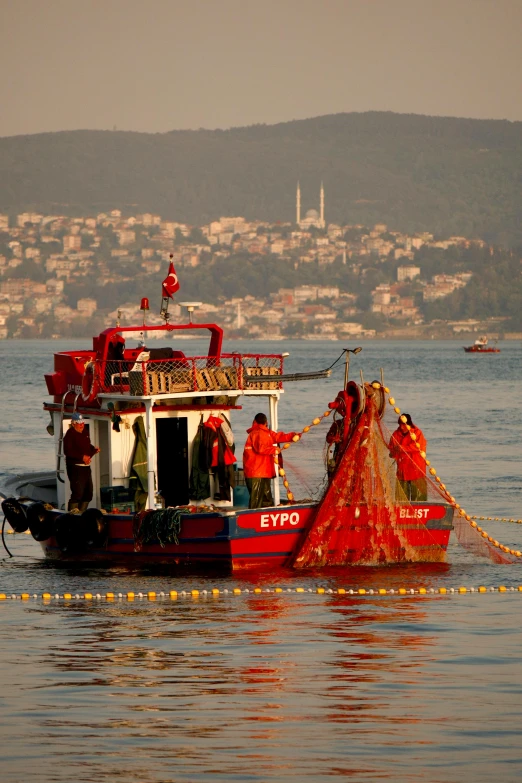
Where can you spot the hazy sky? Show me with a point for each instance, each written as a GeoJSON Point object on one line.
{"type": "Point", "coordinates": [158, 65]}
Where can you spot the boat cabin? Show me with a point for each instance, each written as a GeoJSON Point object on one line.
{"type": "Point", "coordinates": [116, 384]}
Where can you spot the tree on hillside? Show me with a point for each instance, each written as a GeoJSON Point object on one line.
{"type": "Point", "coordinates": [197, 237]}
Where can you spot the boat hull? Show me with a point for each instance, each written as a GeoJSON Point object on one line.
{"type": "Point", "coordinates": [480, 349]}
{"type": "Point", "coordinates": [267, 539]}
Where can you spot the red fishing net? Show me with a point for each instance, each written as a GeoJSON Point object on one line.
{"type": "Point", "coordinates": [364, 515]}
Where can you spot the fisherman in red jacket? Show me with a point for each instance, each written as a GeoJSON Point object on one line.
{"type": "Point", "coordinates": [411, 466]}
{"type": "Point", "coordinates": [258, 460]}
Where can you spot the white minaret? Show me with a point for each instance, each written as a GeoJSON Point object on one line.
{"type": "Point", "coordinates": [298, 204]}
{"type": "Point", "coordinates": [321, 209]}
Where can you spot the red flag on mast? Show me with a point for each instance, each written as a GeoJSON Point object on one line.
{"type": "Point", "coordinates": [171, 284]}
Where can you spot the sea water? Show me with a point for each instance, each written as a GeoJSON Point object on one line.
{"type": "Point", "coordinates": [278, 686]}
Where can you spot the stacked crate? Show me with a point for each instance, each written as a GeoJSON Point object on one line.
{"type": "Point", "coordinates": [117, 499]}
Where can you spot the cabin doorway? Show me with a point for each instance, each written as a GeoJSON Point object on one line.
{"type": "Point", "coordinates": [172, 454]}
{"type": "Point", "coordinates": [103, 458]}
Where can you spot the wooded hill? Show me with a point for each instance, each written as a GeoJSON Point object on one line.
{"type": "Point", "coordinates": [446, 175]}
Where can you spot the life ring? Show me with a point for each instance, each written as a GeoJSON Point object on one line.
{"type": "Point", "coordinates": [90, 383]}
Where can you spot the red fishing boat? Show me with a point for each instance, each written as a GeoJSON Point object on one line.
{"type": "Point", "coordinates": [481, 346]}
{"type": "Point", "coordinates": [144, 408]}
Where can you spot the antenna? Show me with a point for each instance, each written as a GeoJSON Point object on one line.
{"type": "Point", "coordinates": [191, 306]}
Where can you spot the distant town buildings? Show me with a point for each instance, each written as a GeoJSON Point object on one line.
{"type": "Point", "coordinates": [407, 272]}
{"type": "Point", "coordinates": [43, 258]}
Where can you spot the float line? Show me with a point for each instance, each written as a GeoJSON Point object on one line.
{"type": "Point", "coordinates": [213, 592]}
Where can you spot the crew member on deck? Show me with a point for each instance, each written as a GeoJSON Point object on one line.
{"type": "Point", "coordinates": [258, 460]}
{"type": "Point", "coordinates": [411, 466]}
{"type": "Point", "coordinates": [78, 452]}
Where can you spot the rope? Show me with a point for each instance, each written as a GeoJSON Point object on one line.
{"type": "Point", "coordinates": [338, 359]}
{"type": "Point", "coordinates": [3, 539]}
{"type": "Point", "coordinates": [498, 519]}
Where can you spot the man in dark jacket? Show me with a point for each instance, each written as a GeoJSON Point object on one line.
{"type": "Point", "coordinates": [78, 452]}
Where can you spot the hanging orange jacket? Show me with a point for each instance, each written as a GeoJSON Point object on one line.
{"type": "Point", "coordinates": [260, 448]}
{"type": "Point", "coordinates": [214, 423]}
{"type": "Point", "coordinates": [410, 464]}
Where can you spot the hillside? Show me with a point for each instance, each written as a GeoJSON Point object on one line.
{"type": "Point", "coordinates": [446, 175]}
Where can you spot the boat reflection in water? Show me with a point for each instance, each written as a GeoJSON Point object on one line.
{"type": "Point", "coordinates": [167, 688]}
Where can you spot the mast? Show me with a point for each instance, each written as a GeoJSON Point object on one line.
{"type": "Point", "coordinates": [274, 425]}
{"type": "Point", "coordinates": [151, 453]}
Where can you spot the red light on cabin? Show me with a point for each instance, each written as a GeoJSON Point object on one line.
{"type": "Point", "coordinates": [144, 304]}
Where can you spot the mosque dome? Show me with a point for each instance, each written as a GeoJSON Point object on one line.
{"type": "Point", "coordinates": [312, 213]}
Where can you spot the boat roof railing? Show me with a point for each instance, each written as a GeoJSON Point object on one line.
{"type": "Point", "coordinates": [102, 342]}
{"type": "Point", "coordinates": [180, 375]}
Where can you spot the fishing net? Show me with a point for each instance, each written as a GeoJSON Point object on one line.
{"type": "Point", "coordinates": [364, 514]}
{"type": "Point", "coordinates": [306, 465]}
{"type": "Point", "coordinates": [160, 526]}
{"type": "Point", "coordinates": [474, 541]}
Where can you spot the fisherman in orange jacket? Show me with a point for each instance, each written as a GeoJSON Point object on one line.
{"type": "Point", "coordinates": [411, 466]}
{"type": "Point", "coordinates": [258, 460]}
